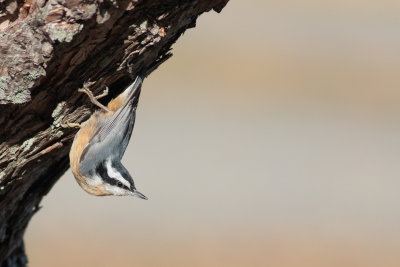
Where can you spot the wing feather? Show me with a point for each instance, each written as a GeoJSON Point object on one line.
{"type": "Point", "coordinates": [112, 138]}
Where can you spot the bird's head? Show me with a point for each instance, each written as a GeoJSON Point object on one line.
{"type": "Point", "coordinates": [110, 178]}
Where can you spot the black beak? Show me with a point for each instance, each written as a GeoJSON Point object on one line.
{"type": "Point", "coordinates": [138, 194]}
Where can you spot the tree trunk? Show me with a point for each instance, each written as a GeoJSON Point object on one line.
{"type": "Point", "coordinates": [48, 49]}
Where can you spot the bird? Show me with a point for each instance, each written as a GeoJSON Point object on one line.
{"type": "Point", "coordinates": [99, 145]}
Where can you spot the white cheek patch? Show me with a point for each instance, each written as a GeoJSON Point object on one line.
{"type": "Point", "coordinates": [113, 173]}
{"type": "Point", "coordinates": [115, 190]}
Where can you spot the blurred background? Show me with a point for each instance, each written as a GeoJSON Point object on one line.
{"type": "Point", "coordinates": [270, 138]}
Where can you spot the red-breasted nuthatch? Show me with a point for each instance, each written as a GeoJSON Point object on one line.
{"type": "Point", "coordinates": [99, 145]}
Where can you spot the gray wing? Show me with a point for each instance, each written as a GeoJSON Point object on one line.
{"type": "Point", "coordinates": [117, 129]}
{"type": "Point", "coordinates": [111, 137]}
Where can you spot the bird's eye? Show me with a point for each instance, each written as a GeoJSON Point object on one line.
{"type": "Point", "coordinates": [119, 184]}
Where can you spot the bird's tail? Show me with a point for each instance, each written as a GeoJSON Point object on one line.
{"type": "Point", "coordinates": [131, 93]}
{"type": "Point", "coordinates": [133, 90]}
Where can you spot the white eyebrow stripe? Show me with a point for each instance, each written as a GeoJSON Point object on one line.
{"type": "Point", "coordinates": [113, 173]}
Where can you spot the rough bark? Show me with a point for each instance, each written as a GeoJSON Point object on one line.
{"type": "Point", "coordinates": [48, 49]}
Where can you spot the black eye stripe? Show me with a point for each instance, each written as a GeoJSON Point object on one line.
{"type": "Point", "coordinates": [101, 170]}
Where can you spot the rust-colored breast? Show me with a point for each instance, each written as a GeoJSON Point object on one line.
{"type": "Point", "coordinates": [116, 103]}
{"type": "Point", "coordinates": [119, 101]}
{"type": "Point", "coordinates": [81, 139]}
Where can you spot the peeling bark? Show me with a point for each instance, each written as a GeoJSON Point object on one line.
{"type": "Point", "coordinates": [48, 49]}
